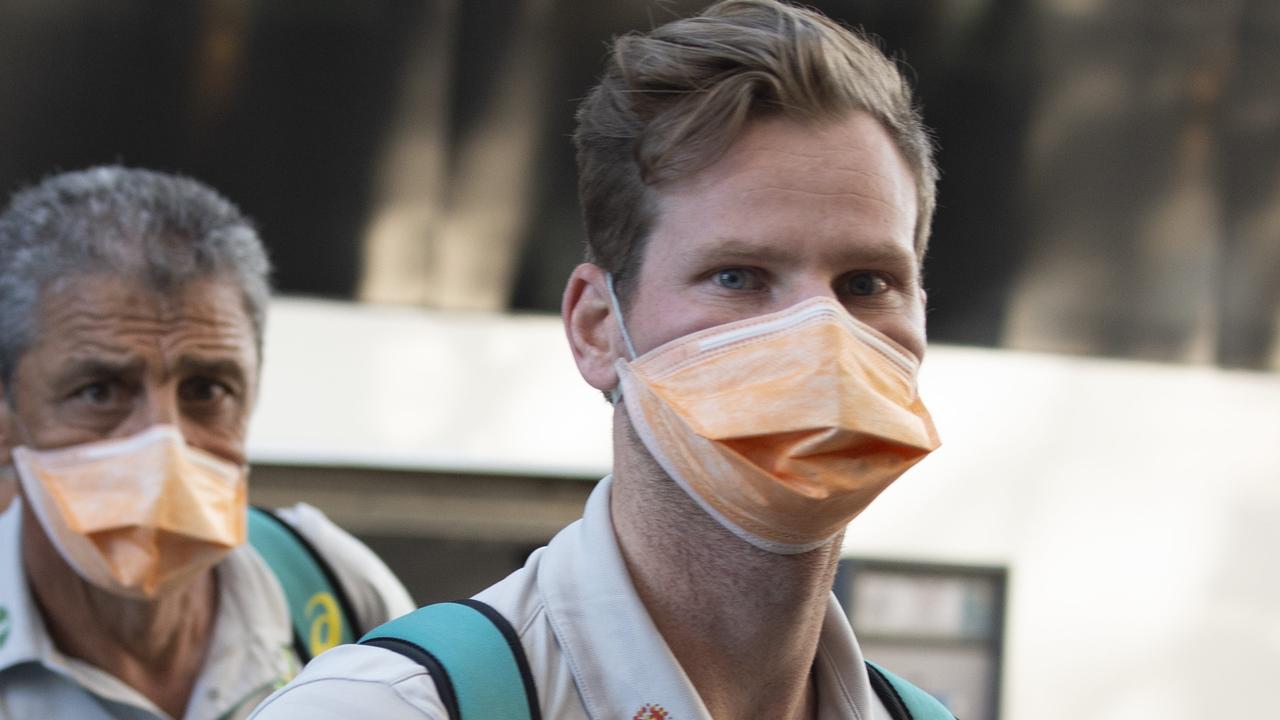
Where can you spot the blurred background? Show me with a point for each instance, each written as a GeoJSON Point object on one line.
{"type": "Point", "coordinates": [1095, 537]}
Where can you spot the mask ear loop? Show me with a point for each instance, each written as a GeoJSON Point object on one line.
{"type": "Point", "coordinates": [617, 310]}
{"type": "Point", "coordinates": [9, 471]}
{"type": "Point", "coordinates": [23, 433]}
{"type": "Point", "coordinates": [616, 393]}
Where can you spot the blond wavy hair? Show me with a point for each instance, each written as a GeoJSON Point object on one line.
{"type": "Point", "coordinates": [672, 100]}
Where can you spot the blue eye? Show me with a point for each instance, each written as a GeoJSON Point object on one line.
{"type": "Point", "coordinates": [866, 284]}
{"type": "Point", "coordinates": [735, 279]}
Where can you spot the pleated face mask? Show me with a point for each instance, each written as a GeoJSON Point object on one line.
{"type": "Point", "coordinates": [139, 515]}
{"type": "Point", "coordinates": [782, 427]}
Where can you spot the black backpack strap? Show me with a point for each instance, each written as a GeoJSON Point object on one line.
{"type": "Point", "coordinates": [903, 700]}
{"type": "Point", "coordinates": [473, 654]}
{"type": "Point", "coordinates": [320, 612]}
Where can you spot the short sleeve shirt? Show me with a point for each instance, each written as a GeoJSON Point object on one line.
{"type": "Point", "coordinates": [593, 650]}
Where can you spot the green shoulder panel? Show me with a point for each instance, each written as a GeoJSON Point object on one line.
{"type": "Point", "coordinates": [920, 704]}
{"type": "Point", "coordinates": [316, 605]}
{"type": "Point", "coordinates": [473, 655]}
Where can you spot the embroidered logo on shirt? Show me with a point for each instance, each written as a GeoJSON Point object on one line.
{"type": "Point", "coordinates": [4, 625]}
{"type": "Point", "coordinates": [326, 623]}
{"type": "Point", "coordinates": [652, 712]}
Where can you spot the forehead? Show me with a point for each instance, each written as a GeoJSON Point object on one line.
{"type": "Point", "coordinates": [787, 182]}
{"type": "Point", "coordinates": [104, 314]}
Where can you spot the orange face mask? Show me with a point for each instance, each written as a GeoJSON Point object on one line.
{"type": "Point", "coordinates": [782, 427]}
{"type": "Point", "coordinates": [139, 515]}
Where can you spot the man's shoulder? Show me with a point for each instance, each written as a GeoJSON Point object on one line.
{"type": "Point", "coordinates": [357, 681]}
{"type": "Point", "coordinates": [375, 593]}
{"type": "Point", "coordinates": [367, 681]}
{"type": "Point", "coordinates": [516, 596]}
{"type": "Point", "coordinates": [322, 533]}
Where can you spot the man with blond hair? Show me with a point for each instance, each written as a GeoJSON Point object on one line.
{"type": "Point", "coordinates": [757, 188]}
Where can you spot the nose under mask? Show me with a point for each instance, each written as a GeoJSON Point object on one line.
{"type": "Point", "coordinates": [136, 516]}
{"type": "Point", "coordinates": [782, 427]}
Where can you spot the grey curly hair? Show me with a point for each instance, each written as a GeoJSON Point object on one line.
{"type": "Point", "coordinates": [158, 229]}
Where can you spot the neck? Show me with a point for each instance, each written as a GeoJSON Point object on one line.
{"type": "Point", "coordinates": [155, 646]}
{"type": "Point", "coordinates": [743, 623]}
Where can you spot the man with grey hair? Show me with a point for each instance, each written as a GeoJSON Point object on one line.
{"type": "Point", "coordinates": [757, 188]}
{"type": "Point", "coordinates": [132, 307]}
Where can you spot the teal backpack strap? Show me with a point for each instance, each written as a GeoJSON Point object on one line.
{"type": "Point", "coordinates": [473, 654]}
{"type": "Point", "coordinates": [320, 611]}
{"type": "Point", "coordinates": [904, 700]}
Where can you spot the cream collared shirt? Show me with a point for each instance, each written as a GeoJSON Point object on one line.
{"type": "Point", "coordinates": [250, 653]}
{"type": "Point", "coordinates": [592, 648]}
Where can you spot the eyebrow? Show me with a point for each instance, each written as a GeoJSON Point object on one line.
{"type": "Point", "coordinates": [216, 367]}
{"type": "Point", "coordinates": [82, 368]}
{"type": "Point", "coordinates": [731, 249]}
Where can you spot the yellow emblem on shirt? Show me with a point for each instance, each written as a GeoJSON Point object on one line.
{"type": "Point", "coordinates": [326, 623]}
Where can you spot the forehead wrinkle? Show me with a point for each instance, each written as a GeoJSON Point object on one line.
{"type": "Point", "coordinates": [745, 170]}
{"type": "Point", "coordinates": [844, 153]}
{"type": "Point", "coordinates": [855, 157]}
{"type": "Point", "coordinates": [212, 343]}
{"type": "Point", "coordinates": [88, 349]}
{"type": "Point", "coordinates": [69, 308]}
{"type": "Point", "coordinates": [86, 336]}
{"type": "Point", "coordinates": [101, 347]}
{"type": "Point", "coordinates": [106, 331]}
{"type": "Point", "coordinates": [848, 181]}
{"type": "Point", "coordinates": [167, 314]}
{"type": "Point", "coordinates": [820, 193]}
{"type": "Point", "coordinates": [214, 365]}
{"type": "Point", "coordinates": [838, 150]}
{"type": "Point", "coordinates": [89, 333]}
{"type": "Point", "coordinates": [205, 350]}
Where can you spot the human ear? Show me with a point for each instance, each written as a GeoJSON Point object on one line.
{"type": "Point", "coordinates": [591, 326]}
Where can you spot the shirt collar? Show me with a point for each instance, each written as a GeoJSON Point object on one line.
{"type": "Point", "coordinates": [28, 640]}
{"type": "Point", "coordinates": [22, 633]}
{"type": "Point", "coordinates": [618, 657]}
{"type": "Point", "coordinates": [844, 689]}
{"type": "Point", "coordinates": [251, 648]}
{"type": "Point", "coordinates": [251, 651]}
